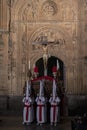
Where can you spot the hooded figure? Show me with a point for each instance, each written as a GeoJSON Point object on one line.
{"type": "Point", "coordinates": [41, 91]}
{"type": "Point", "coordinates": [54, 92]}
{"type": "Point", "coordinates": [27, 111]}
{"type": "Point", "coordinates": [54, 103]}
{"type": "Point", "coordinates": [41, 105]}
{"type": "Point", "coordinates": [29, 88]}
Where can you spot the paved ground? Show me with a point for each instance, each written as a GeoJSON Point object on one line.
{"type": "Point", "coordinates": [15, 123]}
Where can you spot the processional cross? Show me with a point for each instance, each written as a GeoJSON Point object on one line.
{"type": "Point", "coordinates": [43, 41]}
{"type": "Point", "coordinates": [45, 58]}
{"type": "Point", "coordinates": [45, 53]}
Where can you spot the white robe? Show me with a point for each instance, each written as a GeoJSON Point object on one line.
{"type": "Point", "coordinates": [28, 110]}
{"type": "Point", "coordinates": [54, 110]}
{"type": "Point", "coordinates": [41, 110]}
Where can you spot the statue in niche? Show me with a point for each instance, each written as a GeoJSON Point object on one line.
{"type": "Point", "coordinates": [29, 12]}
{"type": "Point", "coordinates": [68, 11]}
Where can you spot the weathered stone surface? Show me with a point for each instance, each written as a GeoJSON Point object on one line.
{"type": "Point", "coordinates": [25, 22]}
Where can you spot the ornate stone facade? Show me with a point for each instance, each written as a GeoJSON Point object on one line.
{"type": "Point", "coordinates": [62, 22]}
{"type": "Point", "coordinates": [24, 22]}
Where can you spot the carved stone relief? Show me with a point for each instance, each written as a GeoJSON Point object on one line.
{"type": "Point", "coordinates": [49, 8]}
{"type": "Point", "coordinates": [68, 12]}
{"type": "Point", "coordinates": [32, 13]}
{"type": "Point", "coordinates": [83, 10]}
{"type": "Point", "coordinates": [1, 42]}
{"type": "Point", "coordinates": [28, 13]}
{"type": "Point", "coordinates": [24, 53]}
{"type": "Point", "coordinates": [12, 60]}
{"type": "Point", "coordinates": [1, 61]}
{"type": "Point", "coordinates": [56, 42]}
{"type": "Point", "coordinates": [85, 7]}
{"type": "Point", "coordinates": [46, 10]}
{"type": "Point", "coordinates": [10, 2]}
{"type": "Point", "coordinates": [13, 27]}
{"type": "Point", "coordinates": [1, 51]}
{"type": "Point", "coordinates": [48, 35]}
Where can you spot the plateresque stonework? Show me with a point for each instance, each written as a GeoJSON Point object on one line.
{"type": "Point", "coordinates": [24, 24]}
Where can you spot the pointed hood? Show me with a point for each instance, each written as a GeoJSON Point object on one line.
{"type": "Point", "coordinates": [41, 91]}
{"type": "Point", "coordinates": [27, 90]}
{"type": "Point", "coordinates": [54, 89]}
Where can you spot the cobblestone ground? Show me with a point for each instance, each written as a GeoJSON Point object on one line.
{"type": "Point", "coordinates": [15, 123]}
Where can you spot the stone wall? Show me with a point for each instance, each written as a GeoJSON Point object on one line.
{"type": "Point", "coordinates": [22, 25]}
{"type": "Point", "coordinates": [29, 21]}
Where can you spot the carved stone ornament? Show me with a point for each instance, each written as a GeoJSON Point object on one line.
{"type": "Point", "coordinates": [48, 36]}
{"type": "Point", "coordinates": [10, 2]}
{"type": "Point", "coordinates": [1, 41]}
{"type": "Point", "coordinates": [49, 8]}
{"type": "Point", "coordinates": [30, 11]}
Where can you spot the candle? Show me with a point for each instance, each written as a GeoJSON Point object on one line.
{"type": "Point", "coordinates": [33, 66]}
{"type": "Point", "coordinates": [29, 64]}
{"type": "Point", "coordinates": [57, 64]}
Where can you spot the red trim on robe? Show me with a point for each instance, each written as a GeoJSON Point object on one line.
{"type": "Point", "coordinates": [40, 111]}
{"type": "Point", "coordinates": [54, 111]}
{"type": "Point", "coordinates": [27, 112]}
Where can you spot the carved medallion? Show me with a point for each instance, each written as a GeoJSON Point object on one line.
{"type": "Point", "coordinates": [49, 8]}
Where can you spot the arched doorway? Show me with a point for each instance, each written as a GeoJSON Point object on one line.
{"type": "Point", "coordinates": [51, 62]}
